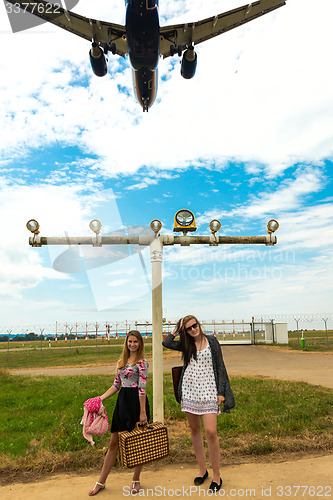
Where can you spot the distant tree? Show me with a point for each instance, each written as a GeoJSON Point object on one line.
{"type": "Point", "coordinates": [30, 337]}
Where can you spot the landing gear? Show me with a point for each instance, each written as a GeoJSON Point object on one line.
{"type": "Point", "coordinates": [145, 105]}
{"type": "Point", "coordinates": [175, 50]}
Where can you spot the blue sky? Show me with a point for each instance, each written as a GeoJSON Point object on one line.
{"type": "Point", "coordinates": [248, 139]}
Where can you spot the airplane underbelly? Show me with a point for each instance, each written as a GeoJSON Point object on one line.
{"type": "Point", "coordinates": [143, 35]}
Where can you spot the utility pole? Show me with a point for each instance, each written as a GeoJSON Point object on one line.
{"type": "Point", "coordinates": [184, 222]}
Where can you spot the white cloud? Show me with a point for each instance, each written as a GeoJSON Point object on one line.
{"type": "Point", "coordinates": [116, 283]}
{"type": "Point", "coordinates": [23, 267]}
{"type": "Point", "coordinates": [142, 185]}
{"type": "Point", "coordinates": [263, 90]}
{"type": "Point", "coordinates": [309, 228]}
{"type": "Point", "coordinates": [288, 195]}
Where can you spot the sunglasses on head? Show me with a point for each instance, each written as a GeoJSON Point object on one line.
{"type": "Point", "coordinates": [189, 328]}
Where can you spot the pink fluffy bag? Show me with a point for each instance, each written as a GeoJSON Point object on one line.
{"type": "Point", "coordinates": [95, 419]}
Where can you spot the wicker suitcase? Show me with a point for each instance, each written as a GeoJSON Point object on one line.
{"type": "Point", "coordinates": [142, 445]}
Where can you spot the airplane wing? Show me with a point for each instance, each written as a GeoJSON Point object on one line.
{"type": "Point", "coordinates": [180, 36]}
{"type": "Point", "coordinates": [108, 35]}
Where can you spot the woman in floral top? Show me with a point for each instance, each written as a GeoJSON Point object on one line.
{"type": "Point", "coordinates": [132, 405]}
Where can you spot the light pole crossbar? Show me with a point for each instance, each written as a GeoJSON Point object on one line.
{"type": "Point", "coordinates": [166, 240]}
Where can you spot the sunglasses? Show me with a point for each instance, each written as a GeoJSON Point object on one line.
{"type": "Point", "coordinates": [189, 328]}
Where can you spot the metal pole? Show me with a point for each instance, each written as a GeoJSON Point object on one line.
{"type": "Point", "coordinates": [8, 332]}
{"type": "Point", "coordinates": [272, 323]}
{"type": "Point", "coordinates": [268, 240]}
{"type": "Point", "coordinates": [252, 333]}
{"type": "Point", "coordinates": [297, 321]}
{"type": "Point", "coordinates": [156, 257]}
{"type": "Point", "coordinates": [325, 321]}
{"type": "Point", "coordinates": [70, 328]}
{"type": "Point", "coordinates": [41, 340]}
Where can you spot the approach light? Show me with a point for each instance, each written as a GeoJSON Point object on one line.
{"type": "Point", "coordinates": [95, 225]}
{"type": "Point", "coordinates": [215, 225]}
{"type": "Point", "coordinates": [184, 221]}
{"type": "Point", "coordinates": [156, 226]}
{"type": "Point", "coordinates": [272, 226]}
{"type": "Point", "coordinates": [33, 226]}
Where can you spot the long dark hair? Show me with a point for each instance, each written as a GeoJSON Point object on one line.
{"type": "Point", "coordinates": [187, 343]}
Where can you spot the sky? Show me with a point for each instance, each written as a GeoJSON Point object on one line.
{"type": "Point", "coordinates": [248, 139]}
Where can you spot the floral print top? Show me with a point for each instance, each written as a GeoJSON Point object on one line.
{"type": "Point", "coordinates": [132, 376]}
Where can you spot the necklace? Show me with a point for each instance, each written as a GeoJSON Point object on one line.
{"type": "Point", "coordinates": [199, 344]}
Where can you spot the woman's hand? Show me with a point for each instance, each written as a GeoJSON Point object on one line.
{"type": "Point", "coordinates": [220, 400]}
{"type": "Point", "coordinates": [178, 327]}
{"type": "Point", "coordinates": [143, 418]}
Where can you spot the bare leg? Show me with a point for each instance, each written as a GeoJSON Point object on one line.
{"type": "Point", "coordinates": [197, 441]}
{"type": "Point", "coordinates": [136, 479]}
{"type": "Point", "coordinates": [109, 462]}
{"type": "Point", "coordinates": [210, 426]}
{"type": "Point", "coordinates": [137, 472]}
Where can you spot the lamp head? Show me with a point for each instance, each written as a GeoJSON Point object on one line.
{"type": "Point", "coordinates": [184, 221]}
{"type": "Point", "coordinates": [156, 225]}
{"type": "Point", "coordinates": [272, 226]}
{"type": "Point", "coordinates": [33, 226]}
{"type": "Point", "coordinates": [95, 225]}
{"type": "Point", "coordinates": [215, 225]}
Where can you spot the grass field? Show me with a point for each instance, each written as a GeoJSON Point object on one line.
{"type": "Point", "coordinates": [41, 429]}
{"type": "Point", "coordinates": [61, 343]}
{"type": "Point", "coordinates": [58, 356]}
{"type": "Point", "coordinates": [315, 340]}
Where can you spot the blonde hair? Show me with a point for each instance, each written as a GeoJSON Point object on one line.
{"type": "Point", "coordinates": [122, 362]}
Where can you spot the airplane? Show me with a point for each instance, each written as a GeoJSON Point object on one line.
{"type": "Point", "coordinates": [143, 39]}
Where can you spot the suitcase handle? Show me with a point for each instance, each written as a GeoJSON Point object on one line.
{"type": "Point", "coordinates": [142, 427]}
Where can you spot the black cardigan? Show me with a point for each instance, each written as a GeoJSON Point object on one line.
{"type": "Point", "coordinates": [220, 372]}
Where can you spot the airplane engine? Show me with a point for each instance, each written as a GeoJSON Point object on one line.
{"type": "Point", "coordinates": [189, 63]}
{"type": "Point", "coordinates": [98, 60]}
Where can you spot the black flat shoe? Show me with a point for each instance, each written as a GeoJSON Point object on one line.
{"type": "Point", "coordinates": [200, 479]}
{"type": "Point", "coordinates": [214, 486]}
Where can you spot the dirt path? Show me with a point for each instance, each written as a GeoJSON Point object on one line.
{"type": "Point", "coordinates": [303, 479]}
{"type": "Point", "coordinates": [314, 368]}
{"type": "Point", "coordinates": [306, 478]}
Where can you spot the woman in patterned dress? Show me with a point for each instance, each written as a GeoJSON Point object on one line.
{"type": "Point", "coordinates": [132, 404]}
{"type": "Point", "coordinates": [203, 387]}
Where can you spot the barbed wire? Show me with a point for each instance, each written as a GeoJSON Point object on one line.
{"type": "Point", "coordinates": [125, 325]}
{"type": "Point", "coordinates": [296, 316]}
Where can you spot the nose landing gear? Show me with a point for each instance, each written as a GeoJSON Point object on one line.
{"type": "Point", "coordinates": [145, 105]}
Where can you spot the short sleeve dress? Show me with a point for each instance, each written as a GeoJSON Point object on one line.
{"type": "Point", "coordinates": [199, 392]}
{"type": "Point", "coordinates": [131, 380]}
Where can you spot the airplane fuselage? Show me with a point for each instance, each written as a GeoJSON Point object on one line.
{"type": "Point", "coordinates": [143, 34]}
